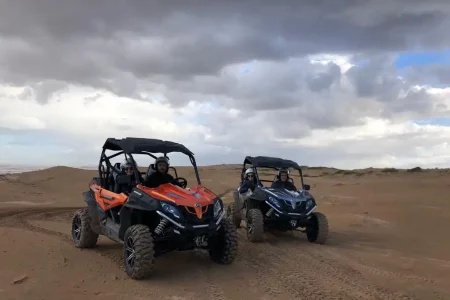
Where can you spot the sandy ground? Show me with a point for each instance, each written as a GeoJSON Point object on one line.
{"type": "Point", "coordinates": [388, 240]}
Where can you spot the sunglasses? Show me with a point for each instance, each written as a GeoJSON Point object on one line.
{"type": "Point", "coordinates": [250, 176]}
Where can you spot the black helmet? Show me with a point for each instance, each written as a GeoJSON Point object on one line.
{"type": "Point", "coordinates": [162, 159]}
{"type": "Point", "coordinates": [283, 170]}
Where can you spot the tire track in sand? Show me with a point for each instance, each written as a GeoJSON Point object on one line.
{"type": "Point", "coordinates": [278, 269]}
{"type": "Point", "coordinates": [19, 217]}
{"type": "Point", "coordinates": [305, 272]}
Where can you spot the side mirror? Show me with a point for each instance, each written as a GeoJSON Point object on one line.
{"type": "Point", "coordinates": [306, 187]}
{"type": "Point", "coordinates": [123, 179]}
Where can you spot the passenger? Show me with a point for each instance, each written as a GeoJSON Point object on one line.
{"type": "Point", "coordinates": [249, 182]}
{"type": "Point", "coordinates": [247, 186]}
{"type": "Point", "coordinates": [283, 182]}
{"type": "Point", "coordinates": [126, 168]}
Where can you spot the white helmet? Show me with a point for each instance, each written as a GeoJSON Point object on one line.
{"type": "Point", "coordinates": [249, 171]}
{"type": "Point", "coordinates": [126, 163]}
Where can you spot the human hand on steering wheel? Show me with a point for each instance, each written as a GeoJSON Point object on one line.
{"type": "Point", "coordinates": [181, 182]}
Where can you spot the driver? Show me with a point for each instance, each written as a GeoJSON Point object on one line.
{"type": "Point", "coordinates": [283, 182]}
{"type": "Point", "coordinates": [161, 176]}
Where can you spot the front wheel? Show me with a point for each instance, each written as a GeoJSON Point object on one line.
{"type": "Point", "coordinates": [138, 252]}
{"type": "Point", "coordinates": [82, 234]}
{"type": "Point", "coordinates": [223, 246]}
{"type": "Point", "coordinates": [317, 229]}
{"type": "Point", "coordinates": [255, 225]}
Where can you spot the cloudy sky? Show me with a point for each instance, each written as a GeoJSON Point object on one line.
{"type": "Point", "coordinates": [345, 83]}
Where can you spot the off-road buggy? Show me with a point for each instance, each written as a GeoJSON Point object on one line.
{"type": "Point", "coordinates": [151, 221]}
{"type": "Point", "coordinates": [277, 208]}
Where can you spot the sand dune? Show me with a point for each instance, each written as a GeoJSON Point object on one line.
{"type": "Point", "coordinates": [388, 240]}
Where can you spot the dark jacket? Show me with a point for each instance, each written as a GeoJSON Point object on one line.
{"type": "Point", "coordinates": [283, 185]}
{"type": "Point", "coordinates": [157, 178]}
{"type": "Point", "coordinates": [124, 188]}
{"type": "Point", "coordinates": [247, 185]}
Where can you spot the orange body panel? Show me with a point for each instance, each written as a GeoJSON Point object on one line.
{"type": "Point", "coordinates": [196, 200]}
{"type": "Point", "coordinates": [107, 199]}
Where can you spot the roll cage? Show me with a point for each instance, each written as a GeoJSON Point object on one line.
{"type": "Point", "coordinates": [270, 163]}
{"type": "Point", "coordinates": [129, 146]}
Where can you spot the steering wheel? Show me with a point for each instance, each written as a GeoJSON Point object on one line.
{"type": "Point", "coordinates": [181, 182]}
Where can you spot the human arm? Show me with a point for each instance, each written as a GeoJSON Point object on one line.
{"type": "Point", "coordinates": [290, 186]}
{"type": "Point", "coordinates": [151, 180]}
{"type": "Point", "coordinates": [243, 188]}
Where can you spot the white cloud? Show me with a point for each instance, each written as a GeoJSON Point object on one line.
{"type": "Point", "coordinates": [265, 82]}
{"type": "Point", "coordinates": [343, 61]}
{"type": "Point", "coordinates": [72, 112]}
{"type": "Point", "coordinates": [85, 117]}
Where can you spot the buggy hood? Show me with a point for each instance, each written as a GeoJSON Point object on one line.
{"type": "Point", "coordinates": [198, 195]}
{"type": "Point", "coordinates": [292, 197]}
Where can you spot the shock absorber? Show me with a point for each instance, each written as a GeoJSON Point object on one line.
{"type": "Point", "coordinates": [161, 226]}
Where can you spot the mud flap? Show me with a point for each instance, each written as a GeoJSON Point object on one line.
{"type": "Point", "coordinates": [242, 204]}
{"type": "Point", "coordinates": [236, 200]}
{"type": "Point", "coordinates": [95, 212]}
{"type": "Point", "coordinates": [238, 204]}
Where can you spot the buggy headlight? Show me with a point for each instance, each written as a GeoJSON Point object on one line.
{"type": "Point", "coordinates": [171, 210]}
{"type": "Point", "coordinates": [218, 208]}
{"type": "Point", "coordinates": [309, 204]}
{"type": "Point", "coordinates": [274, 201]}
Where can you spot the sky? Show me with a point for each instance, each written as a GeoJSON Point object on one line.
{"type": "Point", "coordinates": [343, 83]}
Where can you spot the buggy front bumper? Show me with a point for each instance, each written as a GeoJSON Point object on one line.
{"type": "Point", "coordinates": [186, 228]}
{"type": "Point", "coordinates": [291, 215]}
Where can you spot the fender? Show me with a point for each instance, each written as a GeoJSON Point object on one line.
{"type": "Point", "coordinates": [141, 201]}
{"type": "Point", "coordinates": [258, 195]}
{"type": "Point", "coordinates": [125, 221]}
{"type": "Point", "coordinates": [137, 201]}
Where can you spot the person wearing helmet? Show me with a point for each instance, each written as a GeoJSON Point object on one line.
{"type": "Point", "coordinates": [282, 182]}
{"type": "Point", "coordinates": [126, 168]}
{"type": "Point", "coordinates": [161, 176]}
{"type": "Point", "coordinates": [249, 182]}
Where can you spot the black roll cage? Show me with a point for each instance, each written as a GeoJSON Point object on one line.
{"type": "Point", "coordinates": [106, 159]}
{"type": "Point", "coordinates": [286, 164]}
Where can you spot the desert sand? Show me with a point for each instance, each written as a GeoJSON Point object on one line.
{"type": "Point", "coordinates": [388, 240]}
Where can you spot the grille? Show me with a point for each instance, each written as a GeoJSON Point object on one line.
{"type": "Point", "coordinates": [288, 203]}
{"type": "Point", "coordinates": [191, 218]}
{"type": "Point", "coordinates": [299, 208]}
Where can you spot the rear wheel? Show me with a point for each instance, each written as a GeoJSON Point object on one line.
{"type": "Point", "coordinates": [223, 246]}
{"type": "Point", "coordinates": [234, 215]}
{"type": "Point", "coordinates": [255, 225]}
{"type": "Point", "coordinates": [82, 234]}
{"type": "Point", "coordinates": [138, 251]}
{"type": "Point", "coordinates": [317, 230]}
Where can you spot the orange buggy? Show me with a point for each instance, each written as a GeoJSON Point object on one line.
{"type": "Point", "coordinates": [152, 221]}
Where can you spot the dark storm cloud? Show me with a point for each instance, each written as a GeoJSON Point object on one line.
{"type": "Point", "coordinates": [247, 55]}
{"type": "Point", "coordinates": [89, 42]}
